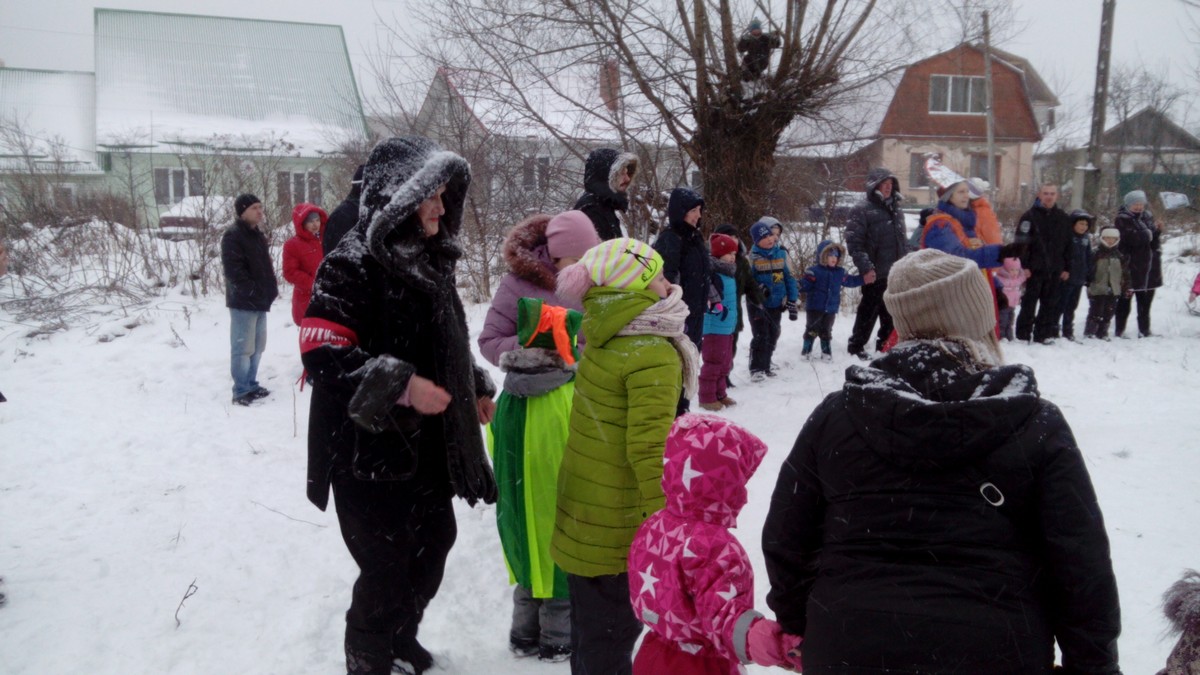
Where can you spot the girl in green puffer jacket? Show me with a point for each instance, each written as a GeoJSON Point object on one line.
{"type": "Point", "coordinates": [626, 389]}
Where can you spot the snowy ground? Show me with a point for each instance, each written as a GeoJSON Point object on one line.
{"type": "Point", "coordinates": [127, 476]}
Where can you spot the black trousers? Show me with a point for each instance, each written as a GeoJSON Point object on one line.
{"type": "Point", "coordinates": [1100, 313]}
{"type": "Point", "coordinates": [870, 307]}
{"type": "Point", "coordinates": [1069, 294]}
{"type": "Point", "coordinates": [765, 325]}
{"type": "Point", "coordinates": [399, 533]}
{"type": "Point", "coordinates": [1124, 305]}
{"type": "Point", "coordinates": [603, 626]}
{"type": "Point", "coordinates": [1039, 308]}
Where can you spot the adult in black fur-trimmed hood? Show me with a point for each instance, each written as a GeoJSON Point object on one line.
{"type": "Point", "coordinates": [607, 174]}
{"type": "Point", "coordinates": [397, 400]}
{"type": "Point", "coordinates": [936, 514]}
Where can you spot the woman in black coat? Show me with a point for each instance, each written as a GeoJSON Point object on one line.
{"type": "Point", "coordinates": [397, 399]}
{"type": "Point", "coordinates": [936, 515]}
{"type": "Point", "coordinates": [1141, 240]}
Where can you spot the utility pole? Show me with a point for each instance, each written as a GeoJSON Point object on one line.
{"type": "Point", "coordinates": [1095, 155]}
{"type": "Point", "coordinates": [991, 118]}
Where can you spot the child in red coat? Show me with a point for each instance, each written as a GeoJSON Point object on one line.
{"type": "Point", "coordinates": [302, 254]}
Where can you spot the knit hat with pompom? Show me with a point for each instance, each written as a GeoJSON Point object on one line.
{"type": "Point", "coordinates": [617, 263]}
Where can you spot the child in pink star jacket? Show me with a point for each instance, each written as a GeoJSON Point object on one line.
{"type": "Point", "coordinates": [689, 579]}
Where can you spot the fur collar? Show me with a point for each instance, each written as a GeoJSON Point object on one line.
{"type": "Point", "coordinates": [525, 252]}
{"type": "Point", "coordinates": [533, 360]}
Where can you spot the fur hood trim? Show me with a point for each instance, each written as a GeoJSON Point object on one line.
{"type": "Point", "coordinates": [1181, 603]}
{"type": "Point", "coordinates": [525, 252]}
{"type": "Point", "coordinates": [533, 360]}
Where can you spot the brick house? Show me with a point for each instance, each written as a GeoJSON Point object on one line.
{"type": "Point", "coordinates": [936, 105]}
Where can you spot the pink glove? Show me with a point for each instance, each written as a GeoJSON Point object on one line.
{"type": "Point", "coordinates": [768, 645]}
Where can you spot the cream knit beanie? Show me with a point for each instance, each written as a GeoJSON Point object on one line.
{"type": "Point", "coordinates": [933, 295]}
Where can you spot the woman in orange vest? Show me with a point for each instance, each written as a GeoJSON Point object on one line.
{"type": "Point", "coordinates": [967, 229]}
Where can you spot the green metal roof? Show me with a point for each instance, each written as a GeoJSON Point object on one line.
{"type": "Point", "coordinates": [187, 78]}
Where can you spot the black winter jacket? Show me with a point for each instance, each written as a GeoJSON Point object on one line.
{"type": "Point", "coordinates": [686, 259]}
{"type": "Point", "coordinates": [1081, 265]}
{"type": "Point", "coordinates": [249, 273]}
{"type": "Point", "coordinates": [341, 221]}
{"type": "Point", "coordinates": [934, 518]}
{"type": "Point", "coordinates": [875, 235]}
{"type": "Point", "coordinates": [384, 308]}
{"type": "Point", "coordinates": [1050, 235]}
{"type": "Point", "coordinates": [1142, 242]}
{"type": "Point", "coordinates": [600, 199]}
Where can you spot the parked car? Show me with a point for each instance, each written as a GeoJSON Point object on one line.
{"type": "Point", "coordinates": [841, 202]}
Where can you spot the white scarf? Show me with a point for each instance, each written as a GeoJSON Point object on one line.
{"type": "Point", "coordinates": [666, 318]}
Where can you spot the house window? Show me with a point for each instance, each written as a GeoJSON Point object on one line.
{"type": "Point", "coordinates": [172, 185]}
{"type": "Point", "coordinates": [299, 186]}
{"type": "Point", "coordinates": [916, 171]}
{"type": "Point", "coordinates": [64, 195]}
{"type": "Point", "coordinates": [957, 94]}
{"type": "Point", "coordinates": [979, 168]}
{"type": "Point", "coordinates": [535, 173]}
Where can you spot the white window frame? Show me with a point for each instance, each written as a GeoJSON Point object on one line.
{"type": "Point", "coordinates": [976, 84]}
{"type": "Point", "coordinates": [172, 197]}
{"type": "Point", "coordinates": [307, 174]}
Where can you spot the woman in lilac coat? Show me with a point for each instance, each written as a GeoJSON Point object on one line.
{"type": "Point", "coordinates": [538, 389]}
{"type": "Point", "coordinates": [535, 249]}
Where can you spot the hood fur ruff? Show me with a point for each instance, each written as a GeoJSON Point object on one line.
{"type": "Point", "coordinates": [1181, 603]}
{"type": "Point", "coordinates": [533, 360]}
{"type": "Point", "coordinates": [400, 174]}
{"type": "Point", "coordinates": [521, 252]}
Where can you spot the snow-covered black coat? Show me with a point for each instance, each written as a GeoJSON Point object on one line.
{"type": "Point", "coordinates": [875, 228]}
{"type": "Point", "coordinates": [686, 259]}
{"type": "Point", "coordinates": [384, 308]}
{"type": "Point", "coordinates": [938, 517]}
{"type": "Point", "coordinates": [1050, 235]}
{"type": "Point", "coordinates": [600, 199]}
{"type": "Point", "coordinates": [249, 273]}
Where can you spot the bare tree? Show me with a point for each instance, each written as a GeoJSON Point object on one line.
{"type": "Point", "coordinates": [1133, 89]}
{"type": "Point", "coordinates": [679, 74]}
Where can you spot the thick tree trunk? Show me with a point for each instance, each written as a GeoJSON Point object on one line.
{"type": "Point", "coordinates": [736, 159]}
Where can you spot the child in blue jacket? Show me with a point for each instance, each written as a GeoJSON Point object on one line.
{"type": "Point", "coordinates": [823, 284]}
{"type": "Point", "coordinates": [771, 271]}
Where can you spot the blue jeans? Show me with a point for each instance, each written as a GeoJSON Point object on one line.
{"type": "Point", "coordinates": [247, 340]}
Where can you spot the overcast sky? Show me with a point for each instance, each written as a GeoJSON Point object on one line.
{"type": "Point", "coordinates": [1059, 37]}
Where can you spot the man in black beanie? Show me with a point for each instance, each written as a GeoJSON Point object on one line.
{"type": "Point", "coordinates": [250, 288]}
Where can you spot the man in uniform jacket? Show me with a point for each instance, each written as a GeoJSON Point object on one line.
{"type": "Point", "coordinates": [250, 288]}
{"type": "Point", "coordinates": [875, 240]}
{"type": "Point", "coordinates": [607, 174]}
{"type": "Point", "coordinates": [1048, 263]}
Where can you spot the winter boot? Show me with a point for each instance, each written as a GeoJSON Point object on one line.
{"type": "Point", "coordinates": [826, 351]}
{"type": "Point", "coordinates": [806, 352]}
{"type": "Point", "coordinates": [554, 653]}
{"type": "Point", "coordinates": [712, 406]}
{"type": "Point", "coordinates": [523, 647]}
{"type": "Point", "coordinates": [728, 402]}
{"type": "Point", "coordinates": [758, 376]}
{"type": "Point", "coordinates": [406, 650]}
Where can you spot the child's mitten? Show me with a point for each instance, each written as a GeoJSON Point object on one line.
{"type": "Point", "coordinates": [793, 311]}
{"type": "Point", "coordinates": [767, 644]}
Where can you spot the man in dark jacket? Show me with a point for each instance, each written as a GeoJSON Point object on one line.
{"type": "Point", "coordinates": [875, 240]}
{"type": "Point", "coordinates": [607, 174]}
{"type": "Point", "coordinates": [250, 288]}
{"type": "Point", "coordinates": [685, 256]}
{"type": "Point", "coordinates": [1047, 264]}
{"type": "Point", "coordinates": [936, 514]}
{"type": "Point", "coordinates": [345, 216]}
{"type": "Point", "coordinates": [394, 421]}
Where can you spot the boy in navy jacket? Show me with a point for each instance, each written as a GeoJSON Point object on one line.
{"type": "Point", "coordinates": [823, 284]}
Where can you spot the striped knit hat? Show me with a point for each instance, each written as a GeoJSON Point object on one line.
{"type": "Point", "coordinates": [934, 295]}
{"type": "Point", "coordinates": [617, 263]}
